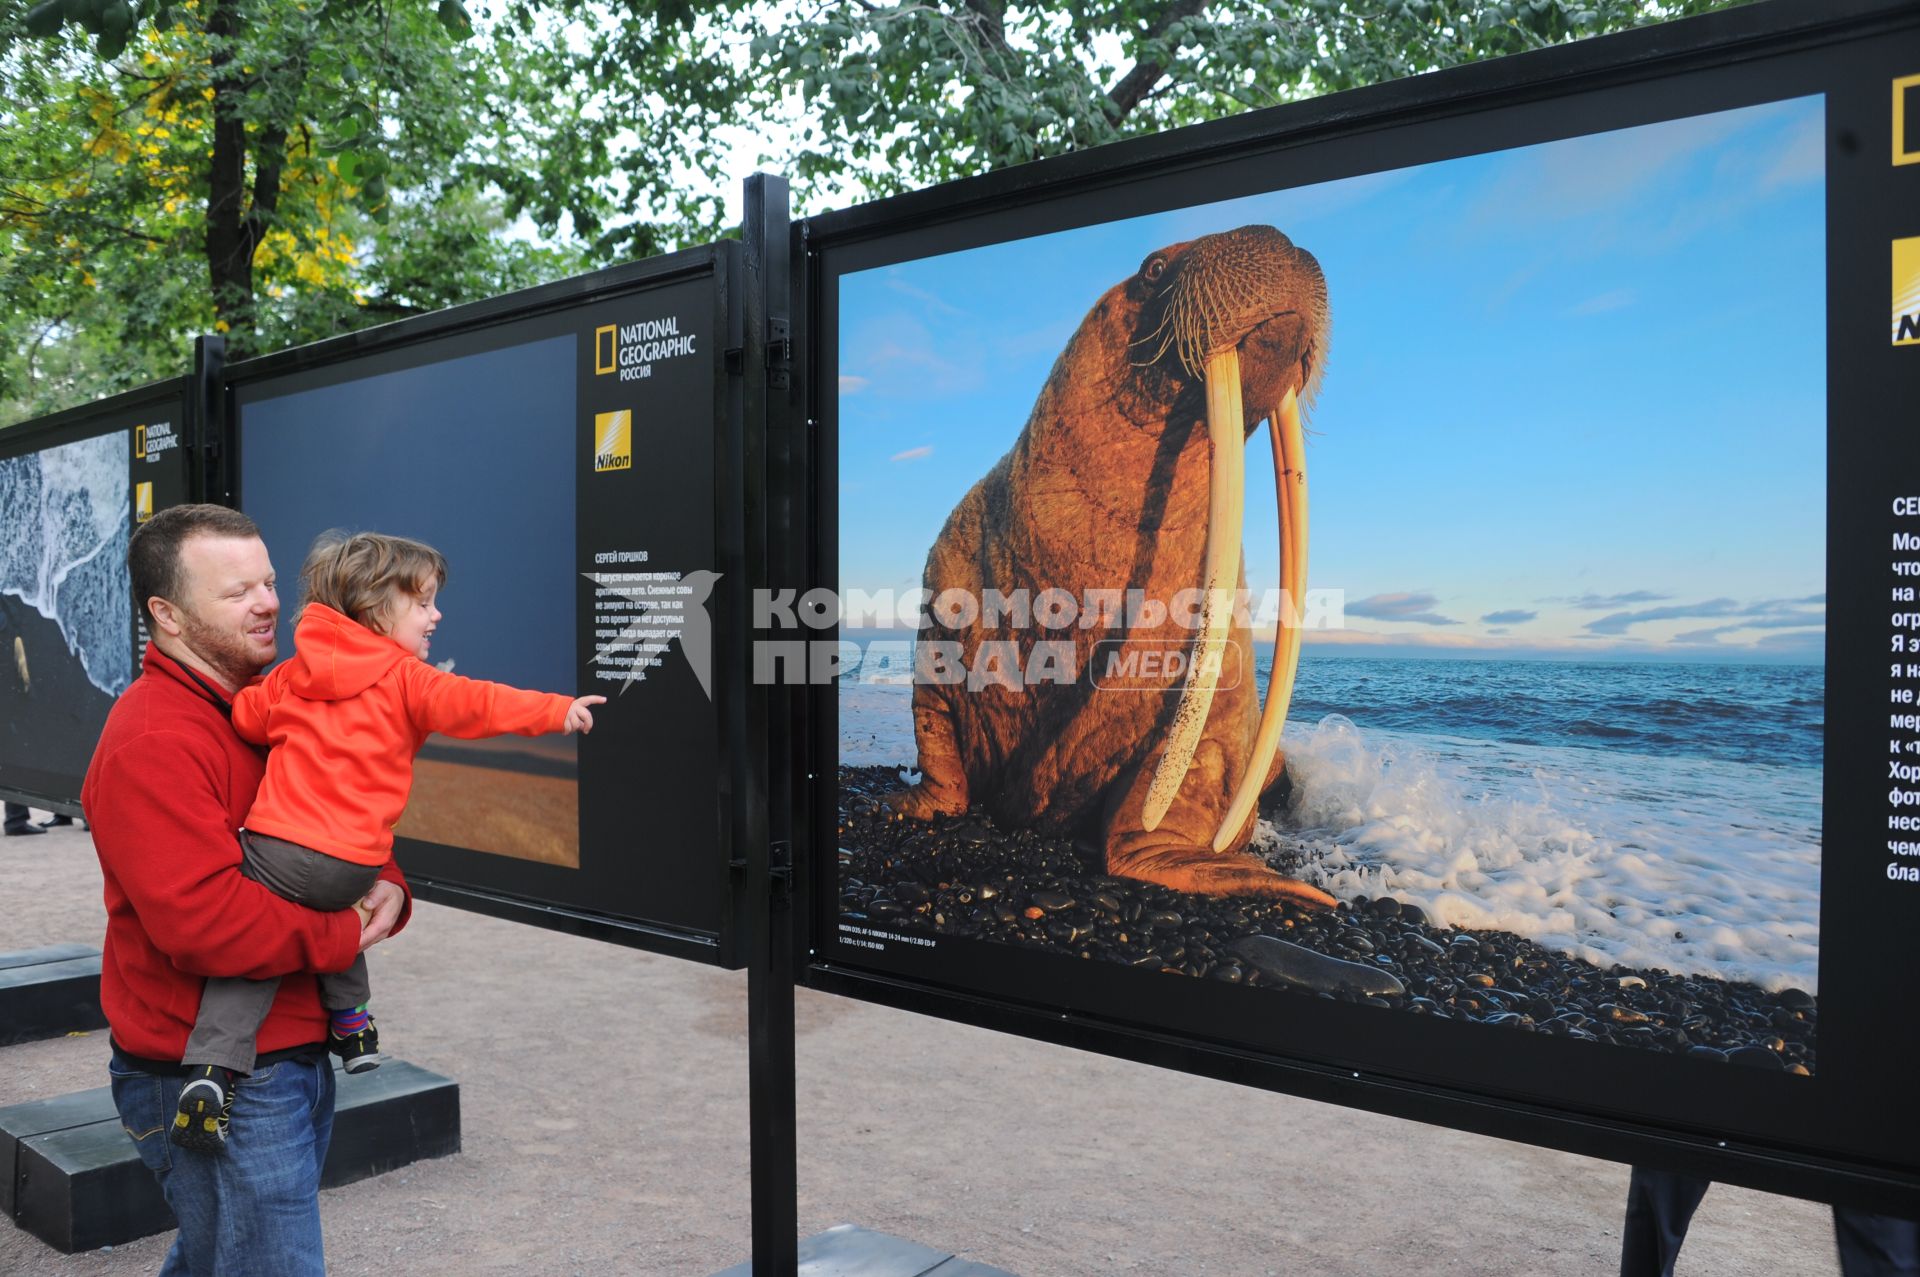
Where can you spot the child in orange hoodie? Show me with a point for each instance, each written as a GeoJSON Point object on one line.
{"type": "Point", "coordinates": [344, 719]}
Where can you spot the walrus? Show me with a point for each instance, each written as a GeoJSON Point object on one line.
{"type": "Point", "coordinates": [1129, 476]}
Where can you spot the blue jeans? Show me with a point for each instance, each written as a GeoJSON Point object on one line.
{"type": "Point", "coordinates": [255, 1209]}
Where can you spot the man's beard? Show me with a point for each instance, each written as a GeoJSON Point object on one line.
{"type": "Point", "coordinates": [231, 655]}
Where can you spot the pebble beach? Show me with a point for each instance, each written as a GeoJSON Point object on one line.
{"type": "Point", "coordinates": [963, 877]}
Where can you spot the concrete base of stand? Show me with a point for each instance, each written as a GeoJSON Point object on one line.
{"type": "Point", "coordinates": [70, 1175]}
{"type": "Point", "coordinates": [849, 1251]}
{"type": "Point", "coordinates": [47, 992]}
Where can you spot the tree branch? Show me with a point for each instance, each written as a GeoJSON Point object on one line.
{"type": "Point", "coordinates": [1134, 86]}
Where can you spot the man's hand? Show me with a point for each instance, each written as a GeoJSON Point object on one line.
{"type": "Point", "coordinates": [379, 909]}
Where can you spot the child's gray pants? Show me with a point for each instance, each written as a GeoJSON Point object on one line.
{"type": "Point", "coordinates": [231, 1008]}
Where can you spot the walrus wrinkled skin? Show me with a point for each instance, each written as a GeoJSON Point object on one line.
{"type": "Point", "coordinates": [1108, 488]}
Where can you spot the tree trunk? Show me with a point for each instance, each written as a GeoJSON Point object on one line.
{"type": "Point", "coordinates": [235, 228]}
{"type": "Point", "coordinates": [229, 246]}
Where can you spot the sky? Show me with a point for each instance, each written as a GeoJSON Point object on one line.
{"type": "Point", "coordinates": [1574, 401]}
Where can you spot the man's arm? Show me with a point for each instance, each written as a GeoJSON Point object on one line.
{"type": "Point", "coordinates": [160, 822]}
{"type": "Point", "coordinates": [391, 904]}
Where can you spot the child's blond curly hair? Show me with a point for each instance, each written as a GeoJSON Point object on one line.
{"type": "Point", "coordinates": [355, 574]}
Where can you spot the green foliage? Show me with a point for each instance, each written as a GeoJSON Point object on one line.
{"type": "Point", "coordinates": [291, 169]}
{"type": "Point", "coordinates": [276, 170]}
{"type": "Point", "coordinates": [883, 97]}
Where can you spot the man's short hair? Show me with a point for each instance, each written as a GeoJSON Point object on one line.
{"type": "Point", "coordinates": [153, 555]}
{"type": "Point", "coordinates": [356, 574]}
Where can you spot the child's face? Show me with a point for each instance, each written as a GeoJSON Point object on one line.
{"type": "Point", "coordinates": [413, 618]}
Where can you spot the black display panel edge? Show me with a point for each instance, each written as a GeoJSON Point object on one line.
{"type": "Point", "coordinates": [1047, 196]}
{"type": "Point", "coordinates": [433, 872]}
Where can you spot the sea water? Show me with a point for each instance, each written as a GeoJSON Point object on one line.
{"type": "Point", "coordinates": [1649, 814]}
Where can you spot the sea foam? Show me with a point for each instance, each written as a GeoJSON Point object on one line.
{"type": "Point", "coordinates": [1696, 866]}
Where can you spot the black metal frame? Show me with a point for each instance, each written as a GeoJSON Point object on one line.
{"type": "Point", "coordinates": [722, 262]}
{"type": "Point", "coordinates": [988, 206]}
{"type": "Point", "coordinates": [771, 551]}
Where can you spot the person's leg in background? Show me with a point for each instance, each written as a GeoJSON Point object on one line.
{"type": "Point", "coordinates": [19, 820]}
{"type": "Point", "coordinates": [1660, 1205]}
{"type": "Point", "coordinates": [1876, 1245]}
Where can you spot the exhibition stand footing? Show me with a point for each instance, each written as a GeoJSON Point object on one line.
{"type": "Point", "coordinates": [70, 1176]}
{"type": "Point", "coordinates": [847, 1250]}
{"type": "Point", "coordinates": [47, 992]}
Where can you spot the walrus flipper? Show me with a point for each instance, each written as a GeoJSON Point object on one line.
{"type": "Point", "coordinates": [1178, 853]}
{"type": "Point", "coordinates": [942, 788]}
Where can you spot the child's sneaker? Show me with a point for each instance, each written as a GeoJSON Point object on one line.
{"type": "Point", "coordinates": [206, 1104]}
{"type": "Point", "coordinates": [358, 1050]}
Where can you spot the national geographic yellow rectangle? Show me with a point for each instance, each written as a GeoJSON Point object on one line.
{"type": "Point", "coordinates": [1906, 292]}
{"type": "Point", "coordinates": [613, 440]}
{"type": "Point", "coordinates": [142, 502]}
{"type": "Point", "coordinates": [139, 443]}
{"type": "Point", "coordinates": [604, 349]}
{"type": "Point", "coordinates": [1904, 151]}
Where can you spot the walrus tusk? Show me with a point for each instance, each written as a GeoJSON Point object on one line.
{"type": "Point", "coordinates": [1290, 479]}
{"type": "Point", "coordinates": [1226, 507]}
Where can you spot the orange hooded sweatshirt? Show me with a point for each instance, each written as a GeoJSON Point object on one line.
{"type": "Point", "coordinates": [345, 718]}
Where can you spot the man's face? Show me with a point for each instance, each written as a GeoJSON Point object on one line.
{"type": "Point", "coordinates": [229, 608]}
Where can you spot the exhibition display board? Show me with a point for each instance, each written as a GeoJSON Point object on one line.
{"type": "Point", "coordinates": [1545, 797]}
{"type": "Point", "coordinates": [567, 450]}
{"type": "Point", "coordinates": [72, 488]}
{"type": "Point", "coordinates": [1403, 598]}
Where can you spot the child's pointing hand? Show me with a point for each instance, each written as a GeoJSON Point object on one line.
{"type": "Point", "coordinates": [579, 717]}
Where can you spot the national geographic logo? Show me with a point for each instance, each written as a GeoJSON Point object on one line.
{"type": "Point", "coordinates": [613, 440]}
{"type": "Point", "coordinates": [153, 440]}
{"type": "Point", "coordinates": [1906, 120]}
{"type": "Point", "coordinates": [631, 350]}
{"type": "Point", "coordinates": [1906, 292]}
{"type": "Point", "coordinates": [142, 502]}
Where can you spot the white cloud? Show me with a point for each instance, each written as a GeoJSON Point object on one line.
{"type": "Point", "coordinates": [1615, 300]}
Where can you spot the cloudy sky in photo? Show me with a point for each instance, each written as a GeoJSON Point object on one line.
{"type": "Point", "coordinates": [1574, 403]}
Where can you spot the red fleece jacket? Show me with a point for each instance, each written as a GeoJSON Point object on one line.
{"type": "Point", "coordinates": [165, 795]}
{"type": "Point", "coordinates": [346, 716]}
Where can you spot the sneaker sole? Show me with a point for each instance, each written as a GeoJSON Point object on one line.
{"type": "Point", "coordinates": [198, 1133]}
{"type": "Point", "coordinates": [362, 1063]}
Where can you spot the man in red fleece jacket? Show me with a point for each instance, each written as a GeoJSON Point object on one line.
{"type": "Point", "coordinates": [165, 794]}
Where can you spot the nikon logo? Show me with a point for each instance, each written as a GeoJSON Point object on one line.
{"type": "Point", "coordinates": [613, 440]}
{"type": "Point", "coordinates": [142, 502]}
{"type": "Point", "coordinates": [1906, 292]}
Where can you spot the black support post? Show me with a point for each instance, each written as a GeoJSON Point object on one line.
{"type": "Point", "coordinates": [768, 848]}
{"type": "Point", "coordinates": [207, 406]}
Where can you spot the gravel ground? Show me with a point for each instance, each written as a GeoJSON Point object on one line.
{"type": "Point", "coordinates": [1033, 1158]}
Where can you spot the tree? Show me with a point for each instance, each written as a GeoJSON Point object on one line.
{"type": "Point", "coordinates": [267, 169]}
{"type": "Point", "coordinates": [884, 97]}
{"type": "Point", "coordinates": [288, 169]}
